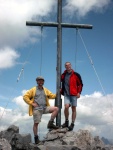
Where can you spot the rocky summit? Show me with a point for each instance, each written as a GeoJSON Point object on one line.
{"type": "Point", "coordinates": [60, 139]}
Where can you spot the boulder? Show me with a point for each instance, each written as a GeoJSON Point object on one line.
{"type": "Point", "coordinates": [9, 132]}
{"type": "Point", "coordinates": [59, 139]}
{"type": "Point", "coordinates": [4, 144]}
{"type": "Point", "coordinates": [13, 140]}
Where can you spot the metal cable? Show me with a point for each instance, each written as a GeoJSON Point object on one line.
{"type": "Point", "coordinates": [41, 51]}
{"type": "Point", "coordinates": [95, 70]}
{"type": "Point", "coordinates": [92, 64]}
{"type": "Point", "coordinates": [76, 48]}
{"type": "Point", "coordinates": [18, 78]}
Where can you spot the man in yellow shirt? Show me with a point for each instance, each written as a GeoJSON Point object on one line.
{"type": "Point", "coordinates": [38, 100]}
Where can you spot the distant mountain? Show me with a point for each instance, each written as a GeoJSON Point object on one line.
{"type": "Point", "coordinates": [107, 141]}
{"type": "Point", "coordinates": [111, 141]}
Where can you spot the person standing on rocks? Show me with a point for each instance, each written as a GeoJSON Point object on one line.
{"type": "Point", "coordinates": [71, 89]}
{"type": "Point", "coordinates": [38, 100]}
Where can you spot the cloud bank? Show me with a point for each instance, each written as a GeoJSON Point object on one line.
{"type": "Point", "coordinates": [83, 7]}
{"type": "Point", "coordinates": [94, 113]}
{"type": "Point", "coordinates": [14, 14]}
{"type": "Point", "coordinates": [8, 58]}
{"type": "Point", "coordinates": [13, 17]}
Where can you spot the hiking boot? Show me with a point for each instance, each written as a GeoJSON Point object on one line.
{"type": "Point", "coordinates": [36, 139]}
{"type": "Point", "coordinates": [51, 125]}
{"type": "Point", "coordinates": [70, 128]}
{"type": "Point", "coordinates": [66, 124]}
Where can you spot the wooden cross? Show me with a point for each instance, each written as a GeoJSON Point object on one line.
{"type": "Point", "coordinates": [59, 25]}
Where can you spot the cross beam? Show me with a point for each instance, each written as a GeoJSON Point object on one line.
{"type": "Point", "coordinates": [59, 26]}
{"type": "Point", "coordinates": [53, 24]}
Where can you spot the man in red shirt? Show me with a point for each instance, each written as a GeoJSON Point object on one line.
{"type": "Point", "coordinates": [71, 89]}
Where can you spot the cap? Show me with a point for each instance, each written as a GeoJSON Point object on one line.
{"type": "Point", "coordinates": [39, 78]}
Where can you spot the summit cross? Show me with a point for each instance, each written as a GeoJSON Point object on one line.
{"type": "Point", "coordinates": [59, 25]}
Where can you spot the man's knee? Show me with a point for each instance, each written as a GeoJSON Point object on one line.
{"type": "Point", "coordinates": [56, 109]}
{"type": "Point", "coordinates": [35, 124]}
{"type": "Point", "coordinates": [67, 106]}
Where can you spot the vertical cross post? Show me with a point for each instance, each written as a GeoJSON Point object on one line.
{"type": "Point", "coordinates": [59, 62]}
{"type": "Point", "coordinates": [59, 26]}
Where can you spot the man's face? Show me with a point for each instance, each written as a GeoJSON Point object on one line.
{"type": "Point", "coordinates": [40, 82]}
{"type": "Point", "coordinates": [68, 66]}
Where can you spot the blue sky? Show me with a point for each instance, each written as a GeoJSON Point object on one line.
{"type": "Point", "coordinates": [20, 47]}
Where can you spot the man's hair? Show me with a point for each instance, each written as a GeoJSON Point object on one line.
{"type": "Point", "coordinates": [67, 62]}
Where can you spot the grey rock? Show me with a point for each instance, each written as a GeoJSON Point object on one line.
{"type": "Point", "coordinates": [9, 133]}
{"type": "Point", "coordinates": [14, 139]}
{"type": "Point", "coordinates": [4, 144]}
{"type": "Point", "coordinates": [60, 139]}
{"type": "Point", "coordinates": [21, 141]}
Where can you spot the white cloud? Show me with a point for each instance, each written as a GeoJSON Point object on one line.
{"type": "Point", "coordinates": [95, 111]}
{"type": "Point", "coordinates": [13, 17]}
{"type": "Point", "coordinates": [8, 57]}
{"type": "Point", "coordinates": [82, 7]}
{"type": "Point", "coordinates": [14, 14]}
{"type": "Point", "coordinates": [22, 105]}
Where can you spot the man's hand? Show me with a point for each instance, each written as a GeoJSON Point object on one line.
{"type": "Point", "coordinates": [78, 95]}
{"type": "Point", "coordinates": [34, 104]}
